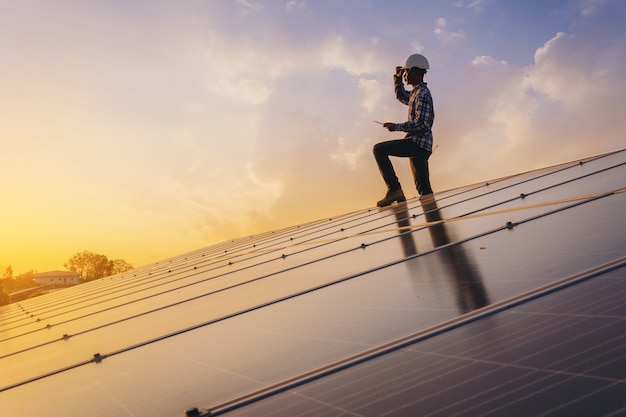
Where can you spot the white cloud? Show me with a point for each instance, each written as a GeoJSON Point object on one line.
{"type": "Point", "coordinates": [542, 52]}
{"type": "Point", "coordinates": [373, 94]}
{"type": "Point", "coordinates": [590, 7]}
{"type": "Point", "coordinates": [250, 4]}
{"type": "Point", "coordinates": [486, 61]}
{"type": "Point", "coordinates": [417, 47]}
{"type": "Point", "coordinates": [244, 69]}
{"type": "Point", "coordinates": [347, 154]}
{"type": "Point", "coordinates": [478, 5]}
{"type": "Point", "coordinates": [579, 74]}
{"type": "Point", "coordinates": [566, 105]}
{"type": "Point", "coordinates": [350, 53]}
{"type": "Point", "coordinates": [295, 4]}
{"type": "Point", "coordinates": [446, 35]}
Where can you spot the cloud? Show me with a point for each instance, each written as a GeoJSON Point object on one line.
{"type": "Point", "coordinates": [486, 61]}
{"type": "Point", "coordinates": [347, 154]}
{"type": "Point", "coordinates": [584, 79]}
{"type": "Point", "coordinates": [350, 52]}
{"type": "Point", "coordinates": [277, 140]}
{"type": "Point", "coordinates": [577, 73]}
{"type": "Point", "coordinates": [590, 7]}
{"type": "Point", "coordinates": [493, 118]}
{"type": "Point", "coordinates": [245, 69]}
{"type": "Point", "coordinates": [250, 4]}
{"type": "Point", "coordinates": [478, 5]}
{"type": "Point", "coordinates": [295, 4]}
{"type": "Point", "coordinates": [373, 93]}
{"type": "Point", "coordinates": [444, 34]}
{"type": "Point", "coordinates": [565, 105]}
{"type": "Point", "coordinates": [239, 69]}
{"type": "Point", "coordinates": [417, 47]}
{"type": "Point", "coordinates": [218, 119]}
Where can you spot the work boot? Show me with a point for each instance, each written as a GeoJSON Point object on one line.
{"type": "Point", "coordinates": [390, 197]}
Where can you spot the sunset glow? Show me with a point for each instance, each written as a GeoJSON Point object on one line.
{"type": "Point", "coordinates": [146, 129]}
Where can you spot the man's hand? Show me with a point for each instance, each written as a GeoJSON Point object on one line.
{"type": "Point", "coordinates": [390, 126]}
{"type": "Point", "coordinates": [399, 71]}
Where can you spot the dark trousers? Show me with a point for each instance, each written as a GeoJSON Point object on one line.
{"type": "Point", "coordinates": [418, 158]}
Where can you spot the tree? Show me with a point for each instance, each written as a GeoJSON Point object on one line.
{"type": "Point", "coordinates": [4, 295]}
{"type": "Point", "coordinates": [5, 280]}
{"type": "Point", "coordinates": [19, 282]}
{"type": "Point", "coordinates": [7, 272]}
{"type": "Point", "coordinates": [119, 266]}
{"type": "Point", "coordinates": [92, 266]}
{"type": "Point", "coordinates": [11, 284]}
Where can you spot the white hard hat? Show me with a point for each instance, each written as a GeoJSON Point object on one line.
{"type": "Point", "coordinates": [416, 60]}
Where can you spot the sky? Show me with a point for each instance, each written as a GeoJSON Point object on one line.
{"type": "Point", "coordinates": [145, 129]}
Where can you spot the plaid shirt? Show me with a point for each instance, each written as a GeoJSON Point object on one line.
{"type": "Point", "coordinates": [421, 113]}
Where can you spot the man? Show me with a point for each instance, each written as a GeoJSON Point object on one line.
{"type": "Point", "coordinates": [418, 142]}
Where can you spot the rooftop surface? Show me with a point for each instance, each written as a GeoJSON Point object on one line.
{"type": "Point", "coordinates": [502, 298]}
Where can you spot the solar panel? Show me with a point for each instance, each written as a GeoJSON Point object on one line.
{"type": "Point", "coordinates": [540, 358]}
{"type": "Point", "coordinates": [433, 307]}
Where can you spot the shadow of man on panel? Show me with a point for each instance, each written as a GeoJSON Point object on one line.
{"type": "Point", "coordinates": [469, 288]}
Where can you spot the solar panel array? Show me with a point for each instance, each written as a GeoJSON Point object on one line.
{"type": "Point", "coordinates": [503, 298]}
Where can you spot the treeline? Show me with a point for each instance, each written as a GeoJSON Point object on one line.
{"type": "Point", "coordinates": [89, 265]}
{"type": "Point", "coordinates": [10, 283]}
{"type": "Point", "coordinates": [92, 266]}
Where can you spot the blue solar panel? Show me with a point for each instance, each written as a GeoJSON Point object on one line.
{"type": "Point", "coordinates": [270, 316]}
{"type": "Point", "coordinates": [560, 355]}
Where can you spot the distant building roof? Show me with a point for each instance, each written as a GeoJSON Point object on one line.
{"type": "Point", "coordinates": [56, 274]}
